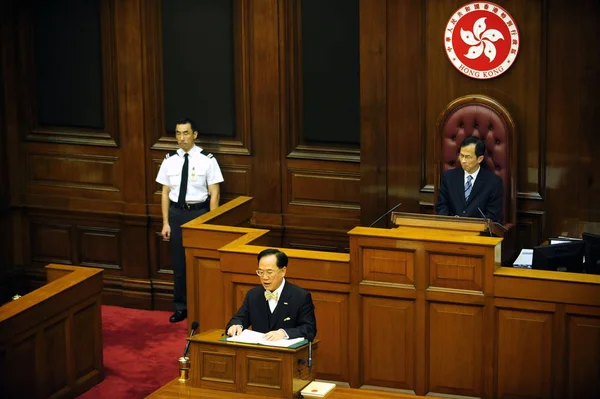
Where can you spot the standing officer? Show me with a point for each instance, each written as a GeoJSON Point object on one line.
{"type": "Point", "coordinates": [190, 178]}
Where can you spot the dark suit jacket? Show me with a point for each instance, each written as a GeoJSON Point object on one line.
{"type": "Point", "coordinates": [294, 312]}
{"type": "Point", "coordinates": [487, 194]}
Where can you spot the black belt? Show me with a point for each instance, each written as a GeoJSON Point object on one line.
{"type": "Point", "coordinates": [191, 207]}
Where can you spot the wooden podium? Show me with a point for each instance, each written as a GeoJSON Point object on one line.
{"type": "Point", "coordinates": [255, 369]}
{"type": "Point", "coordinates": [462, 225]}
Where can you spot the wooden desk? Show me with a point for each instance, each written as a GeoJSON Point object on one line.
{"type": "Point", "coordinates": [176, 389]}
{"type": "Point", "coordinates": [51, 338]}
{"type": "Point", "coordinates": [423, 309]}
{"type": "Point", "coordinates": [268, 371]}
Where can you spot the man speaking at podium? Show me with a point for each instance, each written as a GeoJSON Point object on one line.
{"type": "Point", "coordinates": [277, 308]}
{"type": "Point", "coordinates": [470, 190]}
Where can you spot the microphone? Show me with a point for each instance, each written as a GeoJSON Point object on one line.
{"type": "Point", "coordinates": [385, 214]}
{"type": "Point", "coordinates": [309, 355]}
{"type": "Point", "coordinates": [187, 344]}
{"type": "Point", "coordinates": [487, 220]}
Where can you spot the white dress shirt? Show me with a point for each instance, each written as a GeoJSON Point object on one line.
{"type": "Point", "coordinates": [273, 302]}
{"type": "Point", "coordinates": [474, 175]}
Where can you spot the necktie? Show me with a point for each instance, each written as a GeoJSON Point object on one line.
{"type": "Point", "coordinates": [184, 182]}
{"type": "Point", "coordinates": [270, 295]}
{"type": "Point", "coordinates": [468, 187]}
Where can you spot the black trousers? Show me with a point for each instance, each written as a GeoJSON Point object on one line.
{"type": "Point", "coordinates": [177, 217]}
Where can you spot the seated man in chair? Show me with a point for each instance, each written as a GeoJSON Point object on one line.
{"type": "Point", "coordinates": [467, 190]}
{"type": "Point", "coordinates": [277, 307]}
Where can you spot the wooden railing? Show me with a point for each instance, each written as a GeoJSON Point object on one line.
{"type": "Point", "coordinates": [51, 338]}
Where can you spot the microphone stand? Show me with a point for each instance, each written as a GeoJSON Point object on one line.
{"type": "Point", "coordinates": [488, 222]}
{"type": "Point", "coordinates": [385, 214]}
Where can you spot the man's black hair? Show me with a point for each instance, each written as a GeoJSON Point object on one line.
{"type": "Point", "coordinates": [282, 259]}
{"type": "Point", "coordinates": [185, 121]}
{"type": "Point", "coordinates": [479, 145]}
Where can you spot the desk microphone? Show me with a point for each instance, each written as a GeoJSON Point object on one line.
{"type": "Point", "coordinates": [309, 355]}
{"type": "Point", "coordinates": [385, 214]}
{"type": "Point", "coordinates": [487, 221]}
{"type": "Point", "coordinates": [187, 345]}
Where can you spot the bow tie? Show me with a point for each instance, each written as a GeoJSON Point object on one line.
{"type": "Point", "coordinates": [271, 295]}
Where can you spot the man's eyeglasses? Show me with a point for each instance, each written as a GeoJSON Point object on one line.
{"type": "Point", "coordinates": [465, 157]}
{"type": "Point", "coordinates": [270, 272]}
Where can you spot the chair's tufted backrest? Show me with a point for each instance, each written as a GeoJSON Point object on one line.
{"type": "Point", "coordinates": [488, 120]}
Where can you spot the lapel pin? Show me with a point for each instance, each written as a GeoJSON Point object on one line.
{"type": "Point", "coordinates": [286, 319]}
{"type": "Point", "coordinates": [285, 303]}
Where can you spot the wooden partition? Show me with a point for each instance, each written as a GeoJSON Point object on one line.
{"type": "Point", "coordinates": [51, 338]}
{"type": "Point", "coordinates": [419, 309]}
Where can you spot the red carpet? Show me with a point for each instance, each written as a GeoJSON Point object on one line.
{"type": "Point", "coordinates": [141, 349]}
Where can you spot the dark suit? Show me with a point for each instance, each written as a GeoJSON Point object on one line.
{"type": "Point", "coordinates": [294, 312]}
{"type": "Point", "coordinates": [486, 194]}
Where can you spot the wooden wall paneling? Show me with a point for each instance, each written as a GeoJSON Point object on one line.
{"type": "Point", "coordinates": [130, 89]}
{"type": "Point", "coordinates": [322, 195]}
{"type": "Point", "coordinates": [161, 270]}
{"type": "Point", "coordinates": [573, 180]}
{"type": "Point", "coordinates": [238, 180]}
{"type": "Point", "coordinates": [91, 180]}
{"type": "Point", "coordinates": [99, 247]}
{"type": "Point", "coordinates": [388, 344]}
{"type": "Point", "coordinates": [10, 98]}
{"type": "Point", "coordinates": [203, 271]}
{"type": "Point", "coordinates": [524, 360]}
{"type": "Point", "coordinates": [456, 363]}
{"type": "Point", "coordinates": [322, 189]}
{"type": "Point", "coordinates": [32, 128]}
{"type": "Point", "coordinates": [332, 314]}
{"type": "Point", "coordinates": [373, 110]}
{"type": "Point", "coordinates": [118, 245]}
{"type": "Point", "coordinates": [264, 46]}
{"type": "Point", "coordinates": [406, 104]}
{"type": "Point", "coordinates": [579, 368]}
{"type": "Point", "coordinates": [530, 228]}
{"type": "Point", "coordinates": [133, 245]}
{"type": "Point", "coordinates": [304, 237]}
{"type": "Point", "coordinates": [6, 255]}
{"type": "Point", "coordinates": [50, 242]}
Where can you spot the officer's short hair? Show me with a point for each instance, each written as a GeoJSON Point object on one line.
{"type": "Point", "coordinates": [185, 121]}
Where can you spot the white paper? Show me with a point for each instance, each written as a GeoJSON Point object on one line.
{"type": "Point", "coordinates": [253, 337]}
{"type": "Point", "coordinates": [525, 258]}
{"type": "Point", "coordinates": [317, 389]}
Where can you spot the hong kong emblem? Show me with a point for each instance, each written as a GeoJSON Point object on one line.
{"type": "Point", "coordinates": [481, 40]}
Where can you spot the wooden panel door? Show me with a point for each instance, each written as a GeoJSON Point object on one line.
{"type": "Point", "coordinates": [524, 349]}
{"type": "Point", "coordinates": [455, 349]}
{"type": "Point", "coordinates": [388, 342]}
{"type": "Point", "coordinates": [583, 347]}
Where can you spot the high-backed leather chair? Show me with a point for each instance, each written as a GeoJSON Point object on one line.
{"type": "Point", "coordinates": [485, 118]}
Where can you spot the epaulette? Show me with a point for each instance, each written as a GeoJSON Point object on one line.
{"type": "Point", "coordinates": [207, 154]}
{"type": "Point", "coordinates": [170, 154]}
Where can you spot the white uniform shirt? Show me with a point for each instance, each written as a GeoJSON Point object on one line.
{"type": "Point", "coordinates": [202, 171]}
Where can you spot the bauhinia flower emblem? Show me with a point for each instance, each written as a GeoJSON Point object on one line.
{"type": "Point", "coordinates": [481, 39]}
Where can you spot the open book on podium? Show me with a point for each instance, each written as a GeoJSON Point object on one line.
{"type": "Point", "coordinates": [254, 337]}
